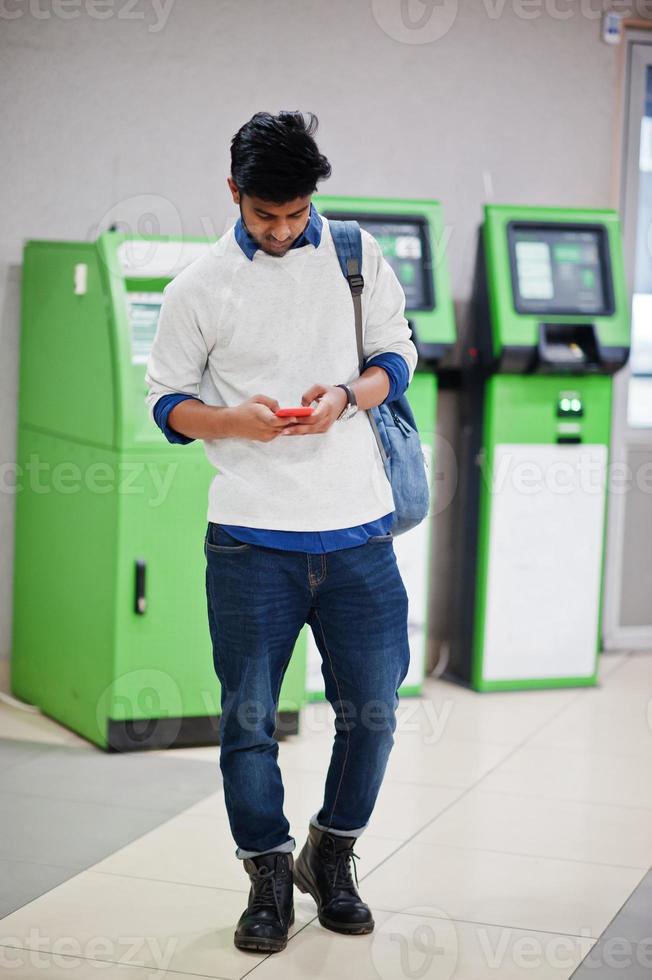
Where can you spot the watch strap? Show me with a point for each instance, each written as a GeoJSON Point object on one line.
{"type": "Point", "coordinates": [350, 395]}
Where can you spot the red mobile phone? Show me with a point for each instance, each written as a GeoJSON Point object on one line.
{"type": "Point", "coordinates": [300, 413]}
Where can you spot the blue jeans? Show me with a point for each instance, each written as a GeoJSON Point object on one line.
{"type": "Point", "coordinates": [258, 601]}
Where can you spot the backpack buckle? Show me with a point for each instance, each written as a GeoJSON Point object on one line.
{"type": "Point", "coordinates": [356, 283]}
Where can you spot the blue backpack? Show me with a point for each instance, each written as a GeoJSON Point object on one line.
{"type": "Point", "coordinates": [392, 422]}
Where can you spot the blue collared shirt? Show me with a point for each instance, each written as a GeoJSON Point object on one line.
{"type": "Point", "coordinates": [311, 235]}
{"type": "Point", "coordinates": [313, 542]}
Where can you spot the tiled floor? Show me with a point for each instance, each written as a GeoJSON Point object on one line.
{"type": "Point", "coordinates": [512, 839]}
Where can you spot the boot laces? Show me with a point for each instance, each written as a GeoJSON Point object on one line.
{"type": "Point", "coordinates": [263, 880]}
{"type": "Point", "coordinates": [343, 862]}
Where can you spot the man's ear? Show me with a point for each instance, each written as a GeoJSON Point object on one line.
{"type": "Point", "coordinates": [235, 193]}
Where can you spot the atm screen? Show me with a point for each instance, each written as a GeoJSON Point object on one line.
{"type": "Point", "coordinates": [144, 309]}
{"type": "Point", "coordinates": [560, 269]}
{"type": "Point", "coordinates": [404, 243]}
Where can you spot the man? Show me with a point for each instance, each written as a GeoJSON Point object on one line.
{"type": "Point", "coordinates": [300, 510]}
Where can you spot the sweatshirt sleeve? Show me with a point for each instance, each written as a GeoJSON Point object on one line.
{"type": "Point", "coordinates": [161, 413]}
{"type": "Point", "coordinates": [179, 353]}
{"type": "Point", "coordinates": [397, 371]}
{"type": "Point", "coordinates": [385, 328]}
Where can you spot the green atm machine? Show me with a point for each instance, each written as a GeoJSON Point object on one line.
{"type": "Point", "coordinates": [411, 236]}
{"type": "Point", "coordinates": [550, 328]}
{"type": "Point", "coordinates": [111, 633]}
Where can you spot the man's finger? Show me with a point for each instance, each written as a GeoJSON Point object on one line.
{"type": "Point", "coordinates": [313, 393]}
{"type": "Point", "coordinates": [301, 429]}
{"type": "Point", "coordinates": [271, 403]}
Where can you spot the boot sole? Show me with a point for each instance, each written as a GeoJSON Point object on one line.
{"type": "Point", "coordinates": [305, 886]}
{"type": "Point", "coordinates": [262, 945]}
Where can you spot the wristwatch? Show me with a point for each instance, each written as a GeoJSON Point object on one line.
{"type": "Point", "coordinates": [351, 406]}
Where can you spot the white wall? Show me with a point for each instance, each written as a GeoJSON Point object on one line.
{"type": "Point", "coordinates": [111, 118]}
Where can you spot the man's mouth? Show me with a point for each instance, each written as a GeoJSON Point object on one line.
{"type": "Point", "coordinates": [278, 246]}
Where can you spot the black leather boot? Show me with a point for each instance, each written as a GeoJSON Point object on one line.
{"type": "Point", "coordinates": [323, 870]}
{"type": "Point", "coordinates": [263, 926]}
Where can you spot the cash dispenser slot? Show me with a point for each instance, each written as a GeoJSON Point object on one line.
{"type": "Point", "coordinates": [575, 348]}
{"type": "Point", "coordinates": [568, 347]}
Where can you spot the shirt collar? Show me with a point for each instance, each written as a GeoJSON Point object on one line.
{"type": "Point", "coordinates": [311, 234]}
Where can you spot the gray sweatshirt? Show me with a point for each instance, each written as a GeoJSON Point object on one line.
{"type": "Point", "coordinates": [231, 328]}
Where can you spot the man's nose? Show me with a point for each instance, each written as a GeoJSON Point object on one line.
{"type": "Point", "coordinates": [281, 233]}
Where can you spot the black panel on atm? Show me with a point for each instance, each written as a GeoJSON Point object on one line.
{"type": "Point", "coordinates": [404, 243]}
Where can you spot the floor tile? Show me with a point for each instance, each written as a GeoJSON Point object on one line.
{"type": "Point", "coordinates": [16, 752]}
{"type": "Point", "coordinates": [133, 779]}
{"type": "Point", "coordinates": [571, 774]}
{"type": "Point", "coordinates": [634, 672]}
{"type": "Point", "coordinates": [568, 830]}
{"type": "Point", "coordinates": [449, 710]}
{"type": "Point", "coordinates": [502, 889]}
{"type": "Point", "coordinates": [211, 805]}
{"type": "Point", "coordinates": [401, 808]}
{"type": "Point", "coordinates": [634, 920]}
{"type": "Point", "coordinates": [21, 881]}
{"type": "Point", "coordinates": [200, 851]}
{"type": "Point", "coordinates": [181, 928]}
{"type": "Point", "coordinates": [201, 753]}
{"type": "Point", "coordinates": [189, 850]}
{"type": "Point", "coordinates": [501, 718]}
{"type": "Point", "coordinates": [603, 721]}
{"type": "Point", "coordinates": [418, 945]}
{"type": "Point", "coordinates": [69, 808]}
{"type": "Point", "coordinates": [610, 661]}
{"type": "Point", "coordinates": [16, 723]}
{"type": "Point", "coordinates": [76, 832]}
{"type": "Point", "coordinates": [447, 762]}
{"type": "Point", "coordinates": [617, 960]}
{"type": "Point", "coordinates": [24, 964]}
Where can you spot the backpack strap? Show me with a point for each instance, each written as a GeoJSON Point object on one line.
{"type": "Point", "coordinates": [348, 245]}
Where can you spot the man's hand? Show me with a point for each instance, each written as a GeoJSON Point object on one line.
{"type": "Point", "coordinates": [255, 419]}
{"type": "Point", "coordinates": [331, 402]}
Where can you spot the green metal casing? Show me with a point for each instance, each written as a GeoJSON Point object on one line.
{"type": "Point", "coordinates": [99, 489]}
{"type": "Point", "coordinates": [434, 327]}
{"type": "Point", "coordinates": [520, 410]}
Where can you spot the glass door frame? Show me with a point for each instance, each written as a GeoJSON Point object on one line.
{"type": "Point", "coordinates": [638, 58]}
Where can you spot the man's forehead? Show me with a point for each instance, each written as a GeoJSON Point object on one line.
{"type": "Point", "coordinates": [282, 210]}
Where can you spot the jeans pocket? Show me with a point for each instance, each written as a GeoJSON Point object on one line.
{"type": "Point", "coordinates": [220, 541]}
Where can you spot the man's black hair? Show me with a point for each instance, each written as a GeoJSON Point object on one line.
{"type": "Point", "coordinates": [276, 158]}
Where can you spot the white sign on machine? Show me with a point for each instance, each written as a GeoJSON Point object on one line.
{"type": "Point", "coordinates": [545, 561]}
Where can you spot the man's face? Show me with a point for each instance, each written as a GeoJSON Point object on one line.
{"type": "Point", "coordinates": [274, 227]}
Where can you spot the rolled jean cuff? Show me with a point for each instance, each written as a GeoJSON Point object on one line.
{"type": "Point", "coordinates": [285, 848]}
{"type": "Point", "coordinates": [331, 830]}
